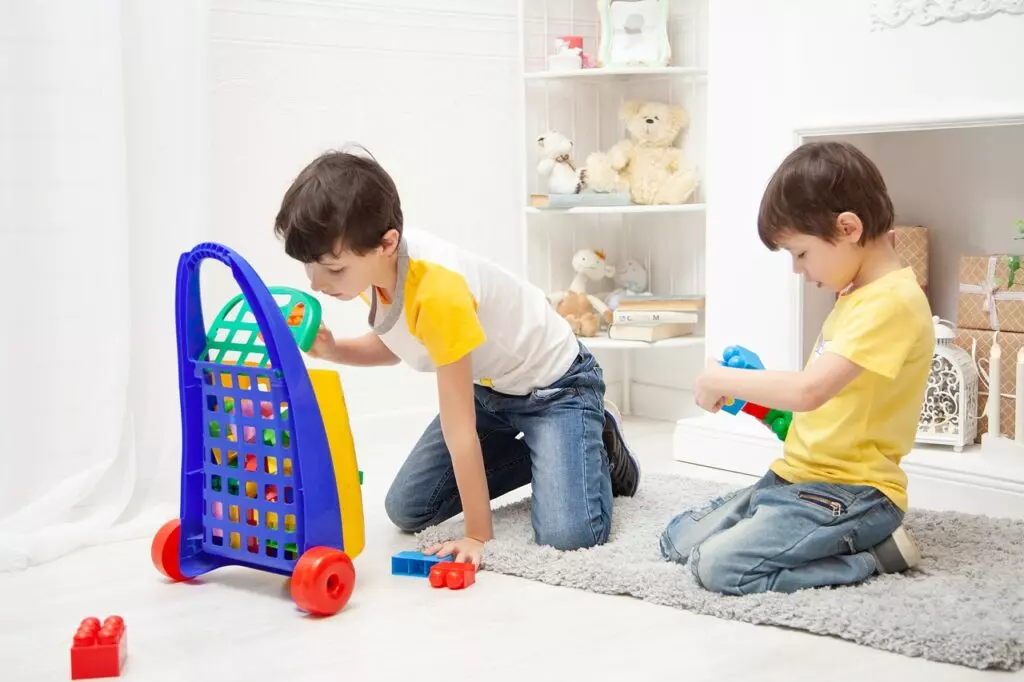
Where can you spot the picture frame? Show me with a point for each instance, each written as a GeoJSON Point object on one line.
{"type": "Point", "coordinates": [633, 33]}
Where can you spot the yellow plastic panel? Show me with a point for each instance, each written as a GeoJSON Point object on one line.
{"type": "Point", "coordinates": [327, 388]}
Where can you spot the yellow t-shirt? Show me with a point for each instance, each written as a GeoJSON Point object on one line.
{"type": "Point", "coordinates": [859, 436]}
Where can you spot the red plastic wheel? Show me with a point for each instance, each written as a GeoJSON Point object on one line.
{"type": "Point", "coordinates": [323, 580]}
{"type": "Point", "coordinates": [165, 548]}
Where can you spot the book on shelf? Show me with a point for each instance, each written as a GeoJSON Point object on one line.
{"type": "Point", "coordinates": [653, 316]}
{"type": "Point", "coordinates": [650, 332]}
{"type": "Point", "coordinates": [564, 201]}
{"type": "Point", "coordinates": [681, 303]}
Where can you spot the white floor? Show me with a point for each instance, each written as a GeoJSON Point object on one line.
{"type": "Point", "coordinates": [241, 625]}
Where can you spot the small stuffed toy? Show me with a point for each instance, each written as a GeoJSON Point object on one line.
{"type": "Point", "coordinates": [646, 165]}
{"type": "Point", "coordinates": [632, 280]}
{"type": "Point", "coordinates": [567, 57]}
{"type": "Point", "coordinates": [557, 163]}
{"type": "Point", "coordinates": [584, 311]}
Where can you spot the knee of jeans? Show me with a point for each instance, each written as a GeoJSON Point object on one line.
{"type": "Point", "coordinates": [571, 536]}
{"type": "Point", "coordinates": [668, 549]}
{"type": "Point", "coordinates": [715, 571]}
{"type": "Point", "coordinates": [673, 538]}
{"type": "Point", "coordinates": [397, 508]}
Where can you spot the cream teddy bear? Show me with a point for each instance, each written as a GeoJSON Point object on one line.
{"type": "Point", "coordinates": [646, 165]}
{"type": "Point", "coordinates": [556, 150]}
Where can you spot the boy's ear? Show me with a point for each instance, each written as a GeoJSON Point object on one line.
{"type": "Point", "coordinates": [849, 226]}
{"type": "Point", "coordinates": [389, 241]}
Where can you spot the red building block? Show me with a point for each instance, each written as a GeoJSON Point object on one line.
{"type": "Point", "coordinates": [756, 410]}
{"type": "Point", "coordinates": [454, 576]}
{"type": "Point", "coordinates": [99, 651]}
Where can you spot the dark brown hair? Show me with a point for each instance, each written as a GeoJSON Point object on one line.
{"type": "Point", "coordinates": [817, 182]}
{"type": "Point", "coordinates": [339, 202]}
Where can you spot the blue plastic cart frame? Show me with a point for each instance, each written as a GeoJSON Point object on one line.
{"type": "Point", "coordinates": [295, 531]}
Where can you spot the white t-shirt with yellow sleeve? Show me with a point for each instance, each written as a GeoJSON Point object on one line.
{"type": "Point", "coordinates": [859, 436]}
{"type": "Point", "coordinates": [450, 303]}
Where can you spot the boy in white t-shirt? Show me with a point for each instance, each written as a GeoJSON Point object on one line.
{"type": "Point", "coordinates": [506, 365]}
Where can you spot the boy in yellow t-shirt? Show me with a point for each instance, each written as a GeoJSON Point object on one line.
{"type": "Point", "coordinates": [830, 510]}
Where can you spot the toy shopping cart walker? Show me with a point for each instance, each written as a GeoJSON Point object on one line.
{"type": "Point", "coordinates": [269, 477]}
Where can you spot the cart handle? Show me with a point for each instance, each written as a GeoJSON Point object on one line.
{"type": "Point", "coordinates": [284, 357]}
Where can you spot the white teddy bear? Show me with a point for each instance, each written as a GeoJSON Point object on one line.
{"type": "Point", "coordinates": [557, 163]}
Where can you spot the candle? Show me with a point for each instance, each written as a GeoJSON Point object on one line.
{"type": "Point", "coordinates": [1018, 407]}
{"type": "Point", "coordinates": [994, 384]}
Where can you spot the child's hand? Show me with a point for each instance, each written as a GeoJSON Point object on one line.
{"type": "Point", "coordinates": [705, 391]}
{"type": "Point", "coordinates": [324, 344]}
{"type": "Point", "coordinates": [466, 550]}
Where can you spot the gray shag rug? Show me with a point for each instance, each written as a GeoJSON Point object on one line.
{"type": "Point", "coordinates": [963, 604]}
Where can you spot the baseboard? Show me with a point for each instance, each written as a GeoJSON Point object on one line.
{"type": "Point", "coordinates": [938, 478]}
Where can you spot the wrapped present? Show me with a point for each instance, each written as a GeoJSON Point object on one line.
{"type": "Point", "coordinates": [911, 244]}
{"type": "Point", "coordinates": [978, 342]}
{"type": "Point", "coordinates": [991, 293]}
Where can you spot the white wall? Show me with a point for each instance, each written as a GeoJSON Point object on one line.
{"type": "Point", "coordinates": [424, 86]}
{"type": "Point", "coordinates": [776, 68]}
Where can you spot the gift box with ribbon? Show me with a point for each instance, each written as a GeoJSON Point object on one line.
{"type": "Point", "coordinates": [991, 293]}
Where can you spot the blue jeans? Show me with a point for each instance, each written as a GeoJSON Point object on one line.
{"type": "Point", "coordinates": [561, 453]}
{"type": "Point", "coordinates": [781, 537]}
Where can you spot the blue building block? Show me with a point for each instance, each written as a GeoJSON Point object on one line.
{"type": "Point", "coordinates": [738, 356]}
{"type": "Point", "coordinates": [741, 358]}
{"type": "Point", "coordinates": [414, 564]}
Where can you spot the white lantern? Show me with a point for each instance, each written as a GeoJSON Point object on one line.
{"type": "Point", "coordinates": [949, 415]}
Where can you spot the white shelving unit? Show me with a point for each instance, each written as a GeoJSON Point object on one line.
{"type": "Point", "coordinates": [668, 240]}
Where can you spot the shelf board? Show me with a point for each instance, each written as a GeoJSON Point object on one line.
{"type": "Point", "coordinates": [617, 72]}
{"type": "Point", "coordinates": [602, 341]}
{"type": "Point", "coordinates": [616, 210]}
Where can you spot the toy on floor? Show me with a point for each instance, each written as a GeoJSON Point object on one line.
{"type": "Point", "coordinates": [415, 564]}
{"type": "Point", "coordinates": [453, 575]}
{"type": "Point", "coordinates": [777, 420]}
{"type": "Point", "coordinates": [264, 440]}
{"type": "Point", "coordinates": [99, 651]}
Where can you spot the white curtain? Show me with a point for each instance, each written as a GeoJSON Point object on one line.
{"type": "Point", "coordinates": [103, 173]}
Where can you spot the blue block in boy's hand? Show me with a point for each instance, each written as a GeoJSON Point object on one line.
{"type": "Point", "coordinates": [415, 564]}
{"type": "Point", "coordinates": [740, 357]}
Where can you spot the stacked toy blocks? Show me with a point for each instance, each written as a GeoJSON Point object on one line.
{"type": "Point", "coordinates": [441, 572]}
{"type": "Point", "coordinates": [99, 651]}
{"type": "Point", "coordinates": [777, 420]}
{"type": "Point", "coordinates": [740, 358]}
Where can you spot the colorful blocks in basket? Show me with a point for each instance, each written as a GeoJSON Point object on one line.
{"type": "Point", "coordinates": [99, 651]}
{"type": "Point", "coordinates": [453, 575]}
{"type": "Point", "coordinates": [415, 564]}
